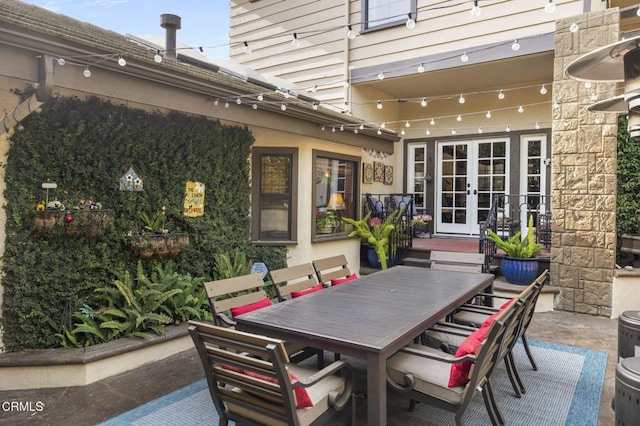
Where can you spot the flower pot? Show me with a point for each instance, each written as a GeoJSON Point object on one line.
{"type": "Point", "coordinates": [519, 271]}
{"type": "Point", "coordinates": [374, 260]}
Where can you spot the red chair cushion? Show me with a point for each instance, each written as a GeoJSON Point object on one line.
{"type": "Point", "coordinates": [300, 394]}
{"type": "Point", "coordinates": [351, 277]}
{"type": "Point", "coordinates": [295, 294]}
{"type": "Point", "coordinates": [493, 316]}
{"type": "Point", "coordinates": [460, 371]}
{"type": "Point", "coordinates": [239, 310]}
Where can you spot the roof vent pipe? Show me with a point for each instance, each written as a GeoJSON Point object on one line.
{"type": "Point", "coordinates": [171, 23]}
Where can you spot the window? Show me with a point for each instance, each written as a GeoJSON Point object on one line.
{"type": "Point", "coordinates": [274, 195]}
{"type": "Point", "coordinates": [334, 193]}
{"type": "Point", "coordinates": [386, 13]}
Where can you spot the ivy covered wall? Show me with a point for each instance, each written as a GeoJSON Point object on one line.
{"type": "Point", "coordinates": [85, 147]}
{"type": "Point", "coordinates": [628, 198]}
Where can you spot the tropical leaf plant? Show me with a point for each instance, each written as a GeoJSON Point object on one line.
{"type": "Point", "coordinates": [517, 247]}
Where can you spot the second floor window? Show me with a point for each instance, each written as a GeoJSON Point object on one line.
{"type": "Point", "coordinates": [385, 13]}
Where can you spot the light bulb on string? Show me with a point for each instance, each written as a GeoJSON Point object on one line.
{"type": "Point", "coordinates": [461, 99]}
{"type": "Point", "coordinates": [543, 90]}
{"type": "Point", "coordinates": [383, 125]}
{"type": "Point", "coordinates": [421, 68]}
{"type": "Point", "coordinates": [322, 128]}
{"type": "Point", "coordinates": [350, 33]}
{"type": "Point", "coordinates": [574, 28]}
{"type": "Point", "coordinates": [508, 129]}
{"type": "Point", "coordinates": [402, 132]}
{"type": "Point", "coordinates": [433, 122]}
{"type": "Point", "coordinates": [638, 11]}
{"type": "Point", "coordinates": [333, 129]}
{"type": "Point", "coordinates": [423, 102]}
{"type": "Point", "coordinates": [295, 42]}
{"type": "Point", "coordinates": [61, 61]}
{"type": "Point", "coordinates": [379, 132]}
{"type": "Point", "coordinates": [459, 117]}
{"type": "Point", "coordinates": [254, 106]}
{"type": "Point", "coordinates": [537, 126]}
{"type": "Point", "coordinates": [346, 84]}
{"type": "Point", "coordinates": [501, 95]}
{"type": "Point", "coordinates": [428, 132]}
{"type": "Point", "coordinates": [453, 131]}
{"type": "Point", "coordinates": [407, 124]}
{"type": "Point", "coordinates": [587, 85]}
{"type": "Point", "coordinates": [520, 109]}
{"type": "Point", "coordinates": [381, 75]}
{"type": "Point", "coordinates": [226, 104]}
{"type": "Point", "coordinates": [480, 130]}
{"type": "Point", "coordinates": [314, 106]}
{"type": "Point", "coordinates": [555, 105]}
{"type": "Point", "coordinates": [475, 10]}
{"type": "Point", "coordinates": [411, 24]}
{"type": "Point", "coordinates": [593, 97]}
{"type": "Point", "coordinates": [239, 101]}
{"type": "Point", "coordinates": [157, 58]}
{"type": "Point", "coordinates": [362, 126]}
{"type": "Point", "coordinates": [550, 7]}
{"type": "Point", "coordinates": [260, 97]}
{"type": "Point", "coordinates": [247, 49]}
{"type": "Point", "coordinates": [515, 46]}
{"type": "Point", "coordinates": [488, 115]}
{"type": "Point", "coordinates": [379, 105]}
{"type": "Point", "coordinates": [216, 102]}
{"type": "Point", "coordinates": [86, 72]}
{"type": "Point", "coordinates": [121, 61]}
{"type": "Point", "coordinates": [355, 130]}
{"type": "Point", "coordinates": [314, 89]}
{"type": "Point", "coordinates": [464, 57]}
{"type": "Point", "coordinates": [283, 107]}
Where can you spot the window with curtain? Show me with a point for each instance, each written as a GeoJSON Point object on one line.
{"type": "Point", "coordinates": [274, 200]}
{"type": "Point", "coordinates": [385, 13]}
{"type": "Point", "coordinates": [334, 193]}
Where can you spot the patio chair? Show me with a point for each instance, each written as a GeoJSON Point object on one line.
{"type": "Point", "coordinates": [235, 296]}
{"type": "Point", "coordinates": [458, 261]}
{"type": "Point", "coordinates": [252, 381]}
{"type": "Point", "coordinates": [295, 281]}
{"type": "Point", "coordinates": [421, 373]}
{"type": "Point", "coordinates": [333, 270]}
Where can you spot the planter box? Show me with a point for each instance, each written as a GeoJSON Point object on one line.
{"type": "Point", "coordinates": [54, 368]}
{"type": "Point", "coordinates": [155, 246]}
{"type": "Point", "coordinates": [86, 223]}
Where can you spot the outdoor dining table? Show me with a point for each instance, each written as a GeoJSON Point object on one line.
{"type": "Point", "coordinates": [370, 318]}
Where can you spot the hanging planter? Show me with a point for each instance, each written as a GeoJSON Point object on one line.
{"type": "Point", "coordinates": [73, 223]}
{"type": "Point", "coordinates": [152, 246]}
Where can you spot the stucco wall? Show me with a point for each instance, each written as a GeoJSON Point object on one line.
{"type": "Point", "coordinates": [583, 175]}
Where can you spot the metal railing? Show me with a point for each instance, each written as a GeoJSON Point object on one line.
{"type": "Point", "coordinates": [381, 206]}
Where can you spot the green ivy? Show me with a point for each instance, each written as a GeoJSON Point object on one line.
{"type": "Point", "coordinates": [85, 146]}
{"type": "Point", "coordinates": [628, 199]}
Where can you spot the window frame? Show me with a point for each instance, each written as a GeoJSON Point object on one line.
{"type": "Point", "coordinates": [357, 186]}
{"type": "Point", "coordinates": [401, 20]}
{"type": "Point", "coordinates": [256, 173]}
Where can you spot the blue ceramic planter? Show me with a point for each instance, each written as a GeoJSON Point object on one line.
{"type": "Point", "coordinates": [519, 271]}
{"type": "Point", "coordinates": [374, 261]}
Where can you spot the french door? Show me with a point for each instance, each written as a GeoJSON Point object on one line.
{"type": "Point", "coordinates": [470, 173]}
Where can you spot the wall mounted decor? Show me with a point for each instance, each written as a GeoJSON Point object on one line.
{"type": "Point", "coordinates": [378, 171]}
{"type": "Point", "coordinates": [367, 173]}
{"type": "Point", "coordinates": [131, 181]}
{"type": "Point", "coordinates": [388, 175]}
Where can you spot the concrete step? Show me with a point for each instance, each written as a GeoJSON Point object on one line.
{"type": "Point", "coordinates": [547, 301]}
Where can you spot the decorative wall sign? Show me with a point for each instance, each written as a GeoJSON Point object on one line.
{"type": "Point", "coordinates": [367, 173]}
{"type": "Point", "coordinates": [194, 199]}
{"type": "Point", "coordinates": [131, 181]}
{"type": "Point", "coordinates": [388, 175]}
{"type": "Point", "coordinates": [378, 171]}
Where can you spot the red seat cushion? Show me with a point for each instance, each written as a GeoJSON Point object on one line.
{"type": "Point", "coordinates": [239, 310]}
{"type": "Point", "coordinates": [295, 294]}
{"type": "Point", "coordinates": [460, 371]}
{"type": "Point", "coordinates": [337, 281]}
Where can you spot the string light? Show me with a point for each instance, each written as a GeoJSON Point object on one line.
{"type": "Point", "coordinates": [537, 126]}
{"type": "Point", "coordinates": [260, 97]}
{"type": "Point", "coordinates": [464, 57]}
{"type": "Point", "coordinates": [459, 117]}
{"type": "Point", "coordinates": [501, 94]}
{"type": "Point", "coordinates": [342, 127]}
{"type": "Point", "coordinates": [402, 132]}
{"type": "Point", "coordinates": [157, 58]}
{"type": "Point", "coordinates": [314, 106]}
{"type": "Point", "coordinates": [594, 97]}
{"type": "Point", "coordinates": [61, 61]}
{"type": "Point", "coordinates": [550, 7]}
{"type": "Point", "coordinates": [379, 132]}
{"type": "Point", "coordinates": [587, 85]}
{"type": "Point", "coordinates": [333, 129]}
{"type": "Point", "coordinates": [421, 68]}
{"type": "Point", "coordinates": [423, 102]}
{"type": "Point", "coordinates": [86, 72]}
{"type": "Point", "coordinates": [411, 24]}
{"type": "Point", "coordinates": [383, 125]}
{"type": "Point", "coordinates": [407, 124]}
{"type": "Point", "coordinates": [488, 115]}
{"type": "Point", "coordinates": [433, 122]}
{"type": "Point", "coordinates": [283, 107]}
{"type": "Point", "coordinates": [574, 28]}
{"type": "Point", "coordinates": [379, 105]}
{"type": "Point", "coordinates": [216, 102]}
{"type": "Point", "coordinates": [461, 99]}
{"type": "Point", "coordinates": [515, 46]}
{"type": "Point", "coordinates": [638, 11]}
{"type": "Point", "coordinates": [254, 106]}
{"type": "Point", "coordinates": [453, 131]}
{"type": "Point", "coordinates": [121, 61]}
{"type": "Point", "coordinates": [555, 105]}
{"type": "Point", "coordinates": [226, 104]}
{"type": "Point", "coordinates": [479, 129]}
{"type": "Point", "coordinates": [247, 49]}
{"type": "Point", "coordinates": [381, 75]}
{"type": "Point", "coordinates": [475, 10]}
{"type": "Point", "coordinates": [520, 109]}
{"type": "Point", "coordinates": [543, 90]}
{"type": "Point", "coordinates": [428, 132]}
{"type": "Point", "coordinates": [350, 33]}
{"type": "Point", "coordinates": [508, 129]}
{"type": "Point", "coordinates": [239, 101]}
{"type": "Point", "coordinates": [295, 42]}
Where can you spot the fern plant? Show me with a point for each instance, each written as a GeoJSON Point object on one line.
{"type": "Point", "coordinates": [517, 247]}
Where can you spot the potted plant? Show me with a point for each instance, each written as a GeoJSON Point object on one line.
{"type": "Point", "coordinates": [376, 233]}
{"type": "Point", "coordinates": [327, 221]}
{"type": "Point", "coordinates": [155, 240]}
{"type": "Point", "coordinates": [519, 266]}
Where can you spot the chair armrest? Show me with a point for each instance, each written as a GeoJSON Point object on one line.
{"type": "Point", "coordinates": [460, 327]}
{"type": "Point", "coordinates": [226, 320]}
{"type": "Point", "coordinates": [337, 400]}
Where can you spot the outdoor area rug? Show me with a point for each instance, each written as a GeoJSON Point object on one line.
{"type": "Point", "coordinates": [565, 390]}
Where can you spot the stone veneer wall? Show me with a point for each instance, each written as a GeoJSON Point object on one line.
{"type": "Point", "coordinates": [583, 173]}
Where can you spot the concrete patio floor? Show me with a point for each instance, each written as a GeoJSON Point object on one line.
{"type": "Point", "coordinates": [100, 401]}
